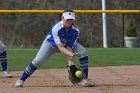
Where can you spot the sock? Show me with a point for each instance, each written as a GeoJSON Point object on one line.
{"type": "Point", "coordinates": [84, 65]}
{"type": "Point", "coordinates": [28, 71]}
{"type": "Point", "coordinates": [3, 59]}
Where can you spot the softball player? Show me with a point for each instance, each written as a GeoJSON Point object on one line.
{"type": "Point", "coordinates": [62, 38]}
{"type": "Point", "coordinates": [3, 60]}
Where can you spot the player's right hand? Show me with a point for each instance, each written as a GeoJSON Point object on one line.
{"type": "Point", "coordinates": [76, 54]}
{"type": "Point", "coordinates": [73, 54]}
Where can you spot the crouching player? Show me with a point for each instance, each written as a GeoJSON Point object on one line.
{"type": "Point", "coordinates": [62, 38]}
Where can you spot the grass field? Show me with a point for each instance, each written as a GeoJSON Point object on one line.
{"type": "Point", "coordinates": [18, 58]}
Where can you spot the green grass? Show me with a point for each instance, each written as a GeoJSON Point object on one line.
{"type": "Point", "coordinates": [18, 59]}
{"type": "Point", "coordinates": [115, 56]}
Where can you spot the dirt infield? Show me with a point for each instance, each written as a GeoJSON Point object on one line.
{"type": "Point", "coordinates": [118, 79]}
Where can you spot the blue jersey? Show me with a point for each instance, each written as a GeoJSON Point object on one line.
{"type": "Point", "coordinates": [58, 35]}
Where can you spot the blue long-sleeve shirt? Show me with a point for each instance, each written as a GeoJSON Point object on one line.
{"type": "Point", "coordinates": [58, 35]}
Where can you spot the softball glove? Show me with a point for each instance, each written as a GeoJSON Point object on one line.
{"type": "Point", "coordinates": [72, 77]}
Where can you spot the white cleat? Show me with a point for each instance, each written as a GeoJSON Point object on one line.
{"type": "Point", "coordinates": [5, 74]}
{"type": "Point", "coordinates": [87, 83]}
{"type": "Point", "coordinates": [19, 83]}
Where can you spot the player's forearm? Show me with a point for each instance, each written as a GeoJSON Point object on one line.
{"type": "Point", "coordinates": [65, 51]}
{"type": "Point", "coordinates": [70, 61]}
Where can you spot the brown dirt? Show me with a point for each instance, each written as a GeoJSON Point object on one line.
{"type": "Point", "coordinates": [117, 79]}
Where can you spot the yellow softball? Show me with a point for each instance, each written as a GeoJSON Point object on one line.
{"type": "Point", "coordinates": [78, 74]}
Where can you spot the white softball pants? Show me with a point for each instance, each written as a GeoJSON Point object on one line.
{"type": "Point", "coordinates": [46, 50]}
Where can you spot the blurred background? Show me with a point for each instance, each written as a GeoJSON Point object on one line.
{"type": "Point", "coordinates": [30, 29]}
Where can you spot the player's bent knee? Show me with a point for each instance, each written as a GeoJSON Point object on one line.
{"type": "Point", "coordinates": [2, 49]}
{"type": "Point", "coordinates": [83, 53]}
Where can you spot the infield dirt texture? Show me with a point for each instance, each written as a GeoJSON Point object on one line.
{"type": "Point", "coordinates": [117, 79]}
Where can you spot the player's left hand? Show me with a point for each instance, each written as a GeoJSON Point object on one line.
{"type": "Point", "coordinates": [71, 71]}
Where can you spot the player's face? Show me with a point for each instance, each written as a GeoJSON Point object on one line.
{"type": "Point", "coordinates": [68, 23]}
